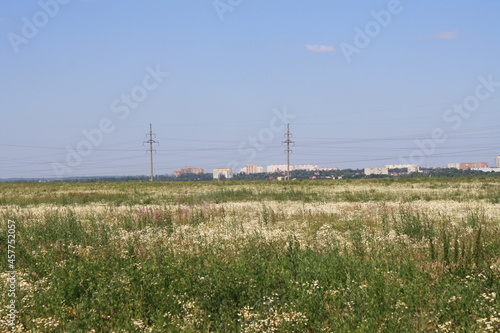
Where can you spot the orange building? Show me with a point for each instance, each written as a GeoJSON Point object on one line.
{"type": "Point", "coordinates": [188, 171]}
{"type": "Point", "coordinates": [467, 166]}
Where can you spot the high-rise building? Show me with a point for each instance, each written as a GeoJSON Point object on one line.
{"type": "Point", "coordinates": [497, 161]}
{"type": "Point", "coordinates": [410, 167]}
{"type": "Point", "coordinates": [187, 171]}
{"type": "Point", "coordinates": [376, 171]}
{"type": "Point", "coordinates": [226, 172]}
{"type": "Point", "coordinates": [283, 167]}
{"type": "Point", "coordinates": [467, 166]}
{"type": "Point", "coordinates": [252, 168]}
{"type": "Point", "coordinates": [327, 169]}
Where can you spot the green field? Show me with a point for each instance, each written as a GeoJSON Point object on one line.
{"type": "Point", "coordinates": [381, 255]}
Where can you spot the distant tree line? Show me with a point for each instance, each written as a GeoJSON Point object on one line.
{"type": "Point", "coordinates": [296, 174]}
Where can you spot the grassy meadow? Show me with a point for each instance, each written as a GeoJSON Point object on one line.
{"type": "Point", "coordinates": [380, 255]}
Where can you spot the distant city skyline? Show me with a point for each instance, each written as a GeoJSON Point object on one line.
{"type": "Point", "coordinates": [362, 84]}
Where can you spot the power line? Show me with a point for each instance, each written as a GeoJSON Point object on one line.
{"type": "Point", "coordinates": [151, 141]}
{"type": "Point", "coordinates": [288, 150]}
{"type": "Point", "coordinates": [322, 149]}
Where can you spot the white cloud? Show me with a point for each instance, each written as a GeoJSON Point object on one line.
{"type": "Point", "coordinates": [320, 48]}
{"type": "Point", "coordinates": [444, 35]}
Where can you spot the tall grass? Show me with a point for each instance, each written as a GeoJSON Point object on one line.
{"type": "Point", "coordinates": [145, 193]}
{"type": "Point", "coordinates": [204, 261]}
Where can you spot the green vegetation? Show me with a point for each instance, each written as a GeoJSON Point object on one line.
{"type": "Point", "coordinates": [380, 255]}
{"type": "Point", "coordinates": [158, 193]}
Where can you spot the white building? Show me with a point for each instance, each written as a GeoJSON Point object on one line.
{"type": "Point", "coordinates": [283, 167]}
{"type": "Point", "coordinates": [327, 169]}
{"type": "Point", "coordinates": [410, 167]}
{"type": "Point", "coordinates": [307, 167]}
{"type": "Point", "coordinates": [454, 165]}
{"type": "Point", "coordinates": [226, 172]}
{"type": "Point", "coordinates": [252, 168]}
{"type": "Point", "coordinates": [487, 169]}
{"type": "Point", "coordinates": [376, 171]}
{"type": "Point", "coordinates": [497, 161]}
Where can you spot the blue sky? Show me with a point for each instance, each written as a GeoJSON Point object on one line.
{"type": "Point", "coordinates": [215, 78]}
